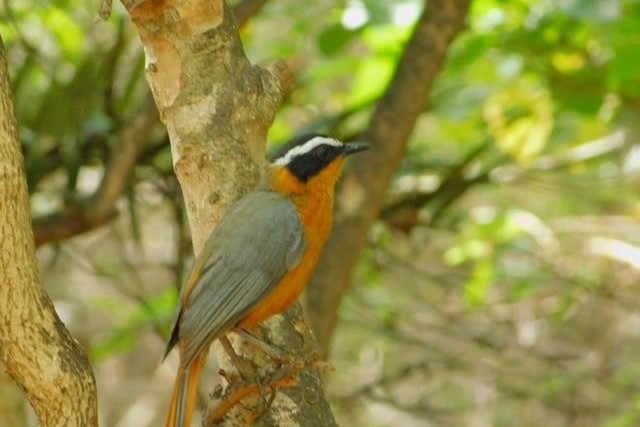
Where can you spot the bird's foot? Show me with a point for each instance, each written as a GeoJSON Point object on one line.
{"type": "Point", "coordinates": [263, 387]}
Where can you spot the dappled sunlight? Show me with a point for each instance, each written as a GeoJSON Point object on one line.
{"type": "Point", "coordinates": [499, 284]}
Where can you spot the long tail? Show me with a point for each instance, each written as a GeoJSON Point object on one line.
{"type": "Point", "coordinates": [183, 400]}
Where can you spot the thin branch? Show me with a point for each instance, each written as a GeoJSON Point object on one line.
{"type": "Point", "coordinates": [112, 60]}
{"type": "Point", "coordinates": [283, 70]}
{"type": "Point", "coordinates": [100, 208]}
{"type": "Point", "coordinates": [403, 212]}
{"type": "Point", "coordinates": [561, 159]}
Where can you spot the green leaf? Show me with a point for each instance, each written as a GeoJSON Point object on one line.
{"type": "Point", "coordinates": [69, 34]}
{"type": "Point", "coordinates": [332, 68]}
{"type": "Point", "coordinates": [334, 38]}
{"type": "Point", "coordinates": [479, 283]}
{"type": "Point", "coordinates": [467, 49]}
{"type": "Point", "coordinates": [372, 77]}
{"type": "Point", "coordinates": [625, 419]}
{"type": "Point", "coordinates": [624, 68]}
{"type": "Point", "coordinates": [521, 290]}
{"type": "Point", "coordinates": [386, 39]}
{"type": "Point", "coordinates": [157, 309]}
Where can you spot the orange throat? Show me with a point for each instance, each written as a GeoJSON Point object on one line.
{"type": "Point", "coordinates": [313, 199]}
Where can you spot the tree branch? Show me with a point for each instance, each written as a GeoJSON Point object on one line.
{"type": "Point", "coordinates": [402, 213]}
{"type": "Point", "coordinates": [36, 348]}
{"type": "Point", "coordinates": [100, 208]}
{"type": "Point", "coordinates": [363, 187]}
{"type": "Point", "coordinates": [217, 108]}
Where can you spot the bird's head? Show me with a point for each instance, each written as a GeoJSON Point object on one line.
{"type": "Point", "coordinates": [311, 161]}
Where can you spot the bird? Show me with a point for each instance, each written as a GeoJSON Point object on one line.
{"type": "Point", "coordinates": [258, 259]}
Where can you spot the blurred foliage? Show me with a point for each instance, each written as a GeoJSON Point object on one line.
{"type": "Point", "coordinates": [512, 296]}
{"type": "Point", "coordinates": [145, 313]}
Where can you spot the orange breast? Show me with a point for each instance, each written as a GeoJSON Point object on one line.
{"type": "Point", "coordinates": [314, 201]}
{"type": "Point", "coordinates": [284, 294]}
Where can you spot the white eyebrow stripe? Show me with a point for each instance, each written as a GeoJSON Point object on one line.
{"type": "Point", "coordinates": [305, 148]}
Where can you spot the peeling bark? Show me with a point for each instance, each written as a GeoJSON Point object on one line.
{"type": "Point", "coordinates": [36, 348]}
{"type": "Point", "coordinates": [361, 195]}
{"type": "Point", "coordinates": [217, 108]}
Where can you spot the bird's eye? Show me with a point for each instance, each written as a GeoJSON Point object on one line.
{"type": "Point", "coordinates": [323, 153]}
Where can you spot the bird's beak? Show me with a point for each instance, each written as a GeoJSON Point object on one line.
{"type": "Point", "coordinates": [355, 147]}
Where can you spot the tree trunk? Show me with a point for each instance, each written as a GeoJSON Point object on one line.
{"type": "Point", "coordinates": [217, 108]}
{"type": "Point", "coordinates": [363, 188]}
{"type": "Point", "coordinates": [36, 348]}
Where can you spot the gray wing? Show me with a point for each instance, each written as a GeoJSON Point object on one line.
{"type": "Point", "coordinates": [259, 239]}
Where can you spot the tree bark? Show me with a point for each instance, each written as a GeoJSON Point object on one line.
{"type": "Point", "coordinates": [363, 188]}
{"type": "Point", "coordinates": [36, 348]}
{"type": "Point", "coordinates": [217, 108]}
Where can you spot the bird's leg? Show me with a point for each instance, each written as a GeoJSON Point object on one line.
{"type": "Point", "coordinates": [251, 378]}
{"type": "Point", "coordinates": [272, 351]}
{"type": "Point", "coordinates": [312, 359]}
{"type": "Point", "coordinates": [264, 387]}
{"type": "Point", "coordinates": [235, 359]}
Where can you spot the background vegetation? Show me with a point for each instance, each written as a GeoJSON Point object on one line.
{"type": "Point", "coordinates": [499, 286]}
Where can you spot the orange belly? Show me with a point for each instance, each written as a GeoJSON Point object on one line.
{"type": "Point", "coordinates": [285, 293]}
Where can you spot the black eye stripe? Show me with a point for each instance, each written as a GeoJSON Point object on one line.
{"type": "Point", "coordinates": [324, 152]}
{"type": "Point", "coordinates": [308, 164]}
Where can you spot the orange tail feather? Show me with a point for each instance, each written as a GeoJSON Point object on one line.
{"type": "Point", "coordinates": [183, 400]}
